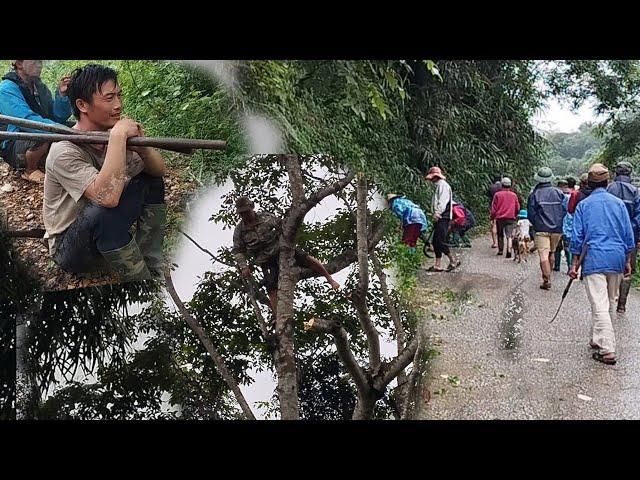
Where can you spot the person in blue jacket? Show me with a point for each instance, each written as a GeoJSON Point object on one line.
{"type": "Point", "coordinates": [602, 241]}
{"type": "Point", "coordinates": [622, 188]}
{"type": "Point", "coordinates": [24, 95]}
{"type": "Point", "coordinates": [414, 221]}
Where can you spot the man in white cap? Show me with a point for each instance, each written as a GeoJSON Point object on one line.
{"type": "Point", "coordinates": [504, 210]}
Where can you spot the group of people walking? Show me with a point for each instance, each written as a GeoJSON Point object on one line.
{"type": "Point", "coordinates": [597, 226]}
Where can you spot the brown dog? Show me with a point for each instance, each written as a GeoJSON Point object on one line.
{"type": "Point", "coordinates": [520, 243]}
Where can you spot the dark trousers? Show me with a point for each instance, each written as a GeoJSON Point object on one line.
{"type": "Point", "coordinates": [440, 237]}
{"type": "Point", "coordinates": [100, 229]}
{"type": "Point", "coordinates": [505, 228]}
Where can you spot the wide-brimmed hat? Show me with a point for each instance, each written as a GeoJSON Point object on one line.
{"type": "Point", "coordinates": [522, 214]}
{"type": "Point", "coordinates": [624, 168]}
{"type": "Point", "coordinates": [391, 196]}
{"type": "Point", "coordinates": [244, 204]}
{"type": "Point", "coordinates": [598, 173]}
{"type": "Point", "coordinates": [435, 172]}
{"type": "Point", "coordinates": [506, 182]}
{"type": "Point", "coordinates": [544, 175]}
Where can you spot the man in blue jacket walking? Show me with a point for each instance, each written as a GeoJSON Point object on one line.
{"type": "Point", "coordinates": [546, 212]}
{"type": "Point", "coordinates": [622, 188]}
{"type": "Point", "coordinates": [24, 95]}
{"type": "Point", "coordinates": [602, 233]}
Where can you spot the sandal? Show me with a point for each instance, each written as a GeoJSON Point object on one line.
{"type": "Point", "coordinates": [601, 358]}
{"type": "Point", "coordinates": [452, 266]}
{"type": "Point", "coordinates": [35, 177]}
{"type": "Point", "coordinates": [434, 269]}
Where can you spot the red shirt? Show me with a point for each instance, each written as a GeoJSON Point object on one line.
{"type": "Point", "coordinates": [505, 205]}
{"type": "Point", "coordinates": [574, 199]}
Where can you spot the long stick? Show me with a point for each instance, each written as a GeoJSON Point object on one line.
{"type": "Point", "coordinates": [182, 145]}
{"type": "Point", "coordinates": [566, 290]}
{"type": "Point", "coordinates": [564, 294]}
{"type": "Point", "coordinates": [47, 127]}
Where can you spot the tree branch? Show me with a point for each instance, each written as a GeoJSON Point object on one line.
{"type": "Point", "coordinates": [208, 345]}
{"type": "Point", "coordinates": [319, 195]}
{"type": "Point", "coordinates": [250, 288]}
{"type": "Point", "coordinates": [207, 251]}
{"type": "Point", "coordinates": [391, 369]}
{"type": "Point", "coordinates": [393, 311]}
{"type": "Point", "coordinates": [347, 257]}
{"type": "Point", "coordinates": [417, 369]}
{"type": "Point", "coordinates": [341, 339]}
{"type": "Point", "coordinates": [360, 295]}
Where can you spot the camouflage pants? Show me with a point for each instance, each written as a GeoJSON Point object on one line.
{"type": "Point", "coordinates": [98, 229]}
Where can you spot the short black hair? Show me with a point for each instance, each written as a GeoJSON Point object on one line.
{"type": "Point", "coordinates": [571, 182]}
{"type": "Point", "coordinates": [593, 185]}
{"type": "Point", "coordinates": [87, 80]}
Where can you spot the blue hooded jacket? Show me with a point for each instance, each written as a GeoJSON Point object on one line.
{"type": "Point", "coordinates": [14, 104]}
{"type": "Point", "coordinates": [409, 212]}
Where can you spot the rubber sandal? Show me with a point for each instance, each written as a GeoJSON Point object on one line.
{"type": "Point", "coordinates": [546, 286]}
{"type": "Point", "coordinates": [434, 269]}
{"type": "Point", "coordinates": [452, 266]}
{"type": "Point", "coordinates": [601, 358]}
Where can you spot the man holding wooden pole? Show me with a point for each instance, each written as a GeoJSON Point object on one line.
{"type": "Point", "coordinates": [93, 194]}
{"type": "Point", "coordinates": [24, 95]}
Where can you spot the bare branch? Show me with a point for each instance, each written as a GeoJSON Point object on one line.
{"type": "Point", "coordinates": [206, 341]}
{"type": "Point", "coordinates": [415, 371]}
{"type": "Point", "coordinates": [341, 339]}
{"type": "Point", "coordinates": [250, 287]}
{"type": "Point", "coordinates": [360, 295]}
{"type": "Point", "coordinates": [347, 257]}
{"type": "Point", "coordinates": [292, 164]}
{"type": "Point", "coordinates": [393, 311]}
{"type": "Point", "coordinates": [317, 196]}
{"type": "Point", "coordinates": [391, 369]}
{"type": "Point", "coordinates": [207, 251]}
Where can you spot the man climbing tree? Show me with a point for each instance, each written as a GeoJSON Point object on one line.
{"type": "Point", "coordinates": [257, 236]}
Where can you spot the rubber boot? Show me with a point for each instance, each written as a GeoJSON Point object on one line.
{"type": "Point", "coordinates": [150, 236]}
{"type": "Point", "coordinates": [558, 259]}
{"type": "Point", "coordinates": [127, 262]}
{"type": "Point", "coordinates": [625, 285]}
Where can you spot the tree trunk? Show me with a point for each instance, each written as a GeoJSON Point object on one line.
{"type": "Point", "coordinates": [360, 298]}
{"type": "Point", "coordinates": [284, 356]}
{"type": "Point", "coordinates": [27, 392]}
{"type": "Point", "coordinates": [364, 408]}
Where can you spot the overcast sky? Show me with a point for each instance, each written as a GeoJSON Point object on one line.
{"type": "Point", "coordinates": [558, 116]}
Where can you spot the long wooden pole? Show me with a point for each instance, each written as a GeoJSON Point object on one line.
{"type": "Point", "coordinates": [183, 145]}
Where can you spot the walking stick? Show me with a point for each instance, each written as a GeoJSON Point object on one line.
{"type": "Point", "coordinates": [564, 294]}
{"type": "Point", "coordinates": [566, 290]}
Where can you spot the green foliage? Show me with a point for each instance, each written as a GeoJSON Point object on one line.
{"type": "Point", "coordinates": [571, 154]}
{"type": "Point", "coordinates": [612, 84]}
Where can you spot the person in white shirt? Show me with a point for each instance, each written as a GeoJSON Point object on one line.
{"type": "Point", "coordinates": [442, 215]}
